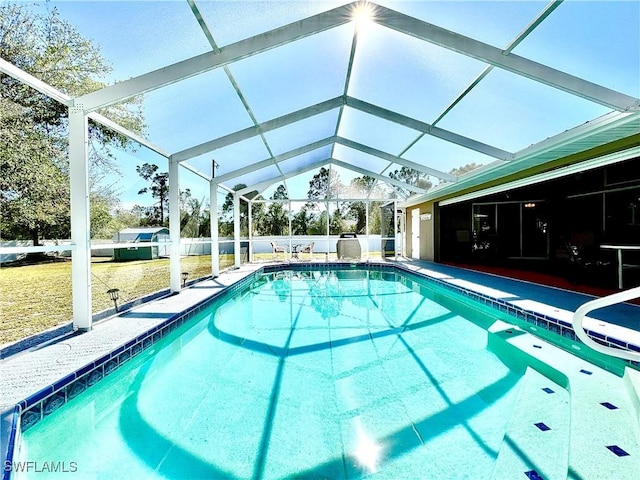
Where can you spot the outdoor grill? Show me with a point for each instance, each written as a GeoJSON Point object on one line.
{"type": "Point", "coordinates": [348, 246]}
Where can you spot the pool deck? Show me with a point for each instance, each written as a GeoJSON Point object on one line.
{"type": "Point", "coordinates": [27, 372]}
{"type": "Point", "coordinates": [558, 302]}
{"type": "Point", "coordinates": [39, 368]}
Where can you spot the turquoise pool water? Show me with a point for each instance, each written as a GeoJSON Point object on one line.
{"type": "Point", "coordinates": [333, 374]}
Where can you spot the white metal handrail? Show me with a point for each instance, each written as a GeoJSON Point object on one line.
{"type": "Point", "coordinates": [580, 313]}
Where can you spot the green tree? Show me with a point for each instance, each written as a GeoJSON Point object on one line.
{"type": "Point", "coordinates": [375, 218]}
{"type": "Point", "coordinates": [337, 223]}
{"type": "Point", "coordinates": [34, 191]}
{"type": "Point", "coordinates": [301, 221]}
{"type": "Point", "coordinates": [103, 221]}
{"type": "Point", "coordinates": [226, 223]}
{"type": "Point", "coordinates": [412, 177]}
{"type": "Point", "coordinates": [35, 196]}
{"type": "Point", "coordinates": [119, 218]}
{"type": "Point", "coordinates": [325, 184]}
{"type": "Point", "coordinates": [159, 189]}
{"type": "Point", "coordinates": [194, 222]}
{"type": "Point", "coordinates": [464, 169]}
{"type": "Point", "coordinates": [360, 187]}
{"type": "Point", "coordinates": [318, 225]}
{"type": "Point", "coordinates": [258, 218]}
{"type": "Point", "coordinates": [277, 218]}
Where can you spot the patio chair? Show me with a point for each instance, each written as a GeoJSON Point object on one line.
{"type": "Point", "coordinates": [278, 249]}
{"type": "Point", "coordinates": [587, 265]}
{"type": "Point", "coordinates": [308, 249]}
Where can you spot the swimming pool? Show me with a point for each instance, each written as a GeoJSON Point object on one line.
{"type": "Point", "coordinates": [305, 374]}
{"type": "Point", "coordinates": [325, 374]}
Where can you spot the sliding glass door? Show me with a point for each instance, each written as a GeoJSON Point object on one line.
{"type": "Point", "coordinates": [511, 229]}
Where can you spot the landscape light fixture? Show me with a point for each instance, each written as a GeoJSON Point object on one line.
{"type": "Point", "coordinates": [114, 294]}
{"type": "Point", "coordinates": [185, 275]}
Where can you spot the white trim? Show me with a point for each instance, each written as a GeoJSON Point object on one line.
{"type": "Point", "coordinates": [174, 226]}
{"type": "Point", "coordinates": [39, 249]}
{"type": "Point", "coordinates": [542, 177]}
{"type": "Point", "coordinates": [503, 59]}
{"type": "Point", "coordinates": [101, 246]}
{"type": "Point", "coordinates": [80, 220]}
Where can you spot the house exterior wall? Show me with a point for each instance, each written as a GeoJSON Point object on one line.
{"type": "Point", "coordinates": [427, 233]}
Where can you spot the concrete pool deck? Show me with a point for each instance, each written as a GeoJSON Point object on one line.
{"type": "Point", "coordinates": [540, 298]}
{"type": "Point", "coordinates": [627, 315]}
{"type": "Point", "coordinates": [26, 373]}
{"type": "Point", "coordinates": [42, 369]}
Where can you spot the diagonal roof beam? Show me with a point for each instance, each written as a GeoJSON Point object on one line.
{"type": "Point", "coordinates": [429, 129]}
{"type": "Point", "coordinates": [128, 133]}
{"type": "Point", "coordinates": [196, 171]}
{"type": "Point", "coordinates": [280, 178]}
{"type": "Point", "coordinates": [402, 186]}
{"type": "Point", "coordinates": [389, 180]}
{"type": "Point", "coordinates": [320, 163]}
{"type": "Point", "coordinates": [63, 98]}
{"type": "Point", "coordinates": [513, 44]}
{"type": "Point", "coordinates": [279, 158]}
{"type": "Point", "coordinates": [211, 60]}
{"type": "Point", "coordinates": [392, 158]}
{"type": "Point", "coordinates": [505, 60]}
{"type": "Point", "coordinates": [255, 130]}
{"type": "Point", "coordinates": [205, 29]}
{"type": "Point", "coordinates": [28, 79]}
{"type": "Point", "coordinates": [347, 81]}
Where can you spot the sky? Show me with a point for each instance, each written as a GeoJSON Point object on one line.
{"type": "Point", "coordinates": [595, 40]}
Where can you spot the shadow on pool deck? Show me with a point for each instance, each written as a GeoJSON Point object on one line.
{"type": "Point", "coordinates": [624, 314]}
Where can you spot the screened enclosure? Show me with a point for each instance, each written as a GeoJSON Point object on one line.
{"type": "Point", "coordinates": [296, 122]}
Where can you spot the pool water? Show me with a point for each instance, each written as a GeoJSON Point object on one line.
{"type": "Point", "coordinates": [332, 374]}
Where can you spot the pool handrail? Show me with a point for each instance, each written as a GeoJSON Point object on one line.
{"type": "Point", "coordinates": [587, 307]}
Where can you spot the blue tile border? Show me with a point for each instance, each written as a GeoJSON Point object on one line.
{"type": "Point", "coordinates": [547, 322]}
{"type": "Point", "coordinates": [34, 408]}
{"type": "Point", "coordinates": [42, 403]}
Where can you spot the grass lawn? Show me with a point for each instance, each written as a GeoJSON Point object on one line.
{"type": "Point", "coordinates": [37, 297]}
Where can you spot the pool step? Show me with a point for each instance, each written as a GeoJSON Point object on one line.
{"type": "Point", "coordinates": [536, 442]}
{"type": "Point", "coordinates": [604, 437]}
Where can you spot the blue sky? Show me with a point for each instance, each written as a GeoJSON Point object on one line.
{"type": "Point", "coordinates": [598, 41]}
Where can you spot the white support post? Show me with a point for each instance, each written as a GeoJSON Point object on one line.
{"type": "Point", "coordinates": [174, 225]}
{"type": "Point", "coordinates": [215, 245]}
{"type": "Point", "coordinates": [290, 226]}
{"type": "Point", "coordinates": [367, 206]}
{"type": "Point", "coordinates": [395, 229]}
{"type": "Point", "coordinates": [250, 249]}
{"type": "Point", "coordinates": [326, 204]}
{"type": "Point", "coordinates": [80, 219]}
{"type": "Point", "coordinates": [236, 229]}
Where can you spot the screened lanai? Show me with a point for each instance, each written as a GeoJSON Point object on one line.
{"type": "Point", "coordinates": [329, 108]}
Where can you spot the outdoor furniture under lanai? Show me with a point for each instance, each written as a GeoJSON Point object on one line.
{"type": "Point", "coordinates": [308, 249]}
{"type": "Point", "coordinates": [278, 249]}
